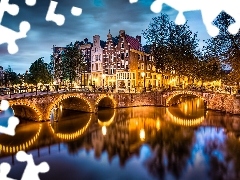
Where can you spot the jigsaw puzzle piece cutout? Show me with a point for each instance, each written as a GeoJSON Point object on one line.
{"type": "Point", "coordinates": [208, 19]}
{"type": "Point", "coordinates": [133, 1]}
{"type": "Point", "coordinates": [30, 2]}
{"type": "Point", "coordinates": [4, 170]}
{"type": "Point", "coordinates": [12, 123]}
{"type": "Point", "coordinates": [232, 8]}
{"type": "Point", "coordinates": [31, 171]}
{"type": "Point", "coordinates": [4, 105]}
{"type": "Point", "coordinates": [76, 11]}
{"type": "Point", "coordinates": [9, 36]}
{"type": "Point", "coordinates": [209, 10]}
{"type": "Point", "coordinates": [12, 9]}
{"type": "Point", "coordinates": [181, 6]}
{"type": "Point", "coordinates": [59, 19]}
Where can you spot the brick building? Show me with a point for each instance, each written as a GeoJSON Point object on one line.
{"type": "Point", "coordinates": [126, 65]}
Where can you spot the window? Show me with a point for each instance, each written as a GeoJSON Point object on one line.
{"type": "Point", "coordinates": [149, 66]}
{"type": "Point", "coordinates": [122, 55]}
{"type": "Point", "coordinates": [142, 66]}
{"type": "Point", "coordinates": [96, 66]}
{"type": "Point", "coordinates": [126, 53]}
{"type": "Point", "coordinates": [122, 45]}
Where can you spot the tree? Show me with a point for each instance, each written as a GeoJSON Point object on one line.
{"type": "Point", "coordinates": [225, 47]}
{"type": "Point", "coordinates": [157, 36]}
{"type": "Point", "coordinates": [11, 77]}
{"type": "Point", "coordinates": [39, 73]}
{"type": "Point", "coordinates": [173, 47]}
{"type": "Point", "coordinates": [72, 62]}
{"type": "Point", "coordinates": [209, 69]}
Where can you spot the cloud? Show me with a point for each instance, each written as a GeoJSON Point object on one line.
{"type": "Point", "coordinates": [98, 16]}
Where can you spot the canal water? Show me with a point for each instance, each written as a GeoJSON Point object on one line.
{"type": "Point", "coordinates": [183, 142]}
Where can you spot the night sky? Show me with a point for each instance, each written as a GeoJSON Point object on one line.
{"type": "Point", "coordinates": [98, 16]}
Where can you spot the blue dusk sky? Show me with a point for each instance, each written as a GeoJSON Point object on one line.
{"type": "Point", "coordinates": [98, 16]}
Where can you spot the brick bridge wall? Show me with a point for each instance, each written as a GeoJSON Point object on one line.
{"type": "Point", "coordinates": [39, 107]}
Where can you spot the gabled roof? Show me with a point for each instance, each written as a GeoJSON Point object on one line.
{"type": "Point", "coordinates": [134, 43]}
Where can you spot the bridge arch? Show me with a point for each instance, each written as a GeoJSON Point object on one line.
{"type": "Point", "coordinates": [105, 100]}
{"type": "Point", "coordinates": [26, 110]}
{"type": "Point", "coordinates": [66, 97]}
{"type": "Point", "coordinates": [177, 94]}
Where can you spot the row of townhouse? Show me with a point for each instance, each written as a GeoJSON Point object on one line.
{"type": "Point", "coordinates": [119, 63]}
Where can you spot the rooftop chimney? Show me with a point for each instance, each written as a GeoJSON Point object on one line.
{"type": "Point", "coordinates": [138, 38]}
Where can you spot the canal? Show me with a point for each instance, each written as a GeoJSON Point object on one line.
{"type": "Point", "coordinates": [180, 142]}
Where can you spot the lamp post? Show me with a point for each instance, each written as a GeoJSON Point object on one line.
{"type": "Point", "coordinates": [103, 77]}
{"type": "Point", "coordinates": [143, 75]}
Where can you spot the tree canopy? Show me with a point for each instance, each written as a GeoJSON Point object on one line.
{"type": "Point", "coordinates": [72, 61]}
{"type": "Point", "coordinates": [11, 77]}
{"type": "Point", "coordinates": [226, 48]}
{"type": "Point", "coordinates": [39, 73]}
{"type": "Point", "coordinates": [173, 47]}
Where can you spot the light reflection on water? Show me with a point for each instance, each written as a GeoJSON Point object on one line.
{"type": "Point", "coordinates": [131, 143]}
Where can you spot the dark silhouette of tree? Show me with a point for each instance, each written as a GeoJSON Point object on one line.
{"type": "Point", "coordinates": [38, 72]}
{"type": "Point", "coordinates": [72, 61]}
{"type": "Point", "coordinates": [11, 77]}
{"type": "Point", "coordinates": [225, 47]}
{"type": "Point", "coordinates": [173, 47]}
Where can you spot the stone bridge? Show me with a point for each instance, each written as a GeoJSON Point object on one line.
{"type": "Point", "coordinates": [39, 108]}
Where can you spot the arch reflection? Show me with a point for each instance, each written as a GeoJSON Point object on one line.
{"type": "Point", "coordinates": [62, 128]}
{"type": "Point", "coordinates": [21, 133]}
{"type": "Point", "coordinates": [106, 117]}
{"type": "Point", "coordinates": [188, 113]}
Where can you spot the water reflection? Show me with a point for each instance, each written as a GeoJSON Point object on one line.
{"type": "Point", "coordinates": [135, 143]}
{"type": "Point", "coordinates": [188, 113]}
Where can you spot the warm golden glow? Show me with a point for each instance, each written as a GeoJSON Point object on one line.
{"type": "Point", "coordinates": [184, 122]}
{"type": "Point", "coordinates": [143, 74]}
{"type": "Point", "coordinates": [107, 123]}
{"type": "Point", "coordinates": [63, 97]}
{"type": "Point", "coordinates": [175, 93]}
{"type": "Point", "coordinates": [108, 96]}
{"type": "Point", "coordinates": [142, 134]}
{"type": "Point", "coordinates": [104, 130]}
{"type": "Point", "coordinates": [23, 146]}
{"type": "Point", "coordinates": [158, 124]}
{"type": "Point", "coordinates": [71, 136]}
{"type": "Point", "coordinates": [24, 102]}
